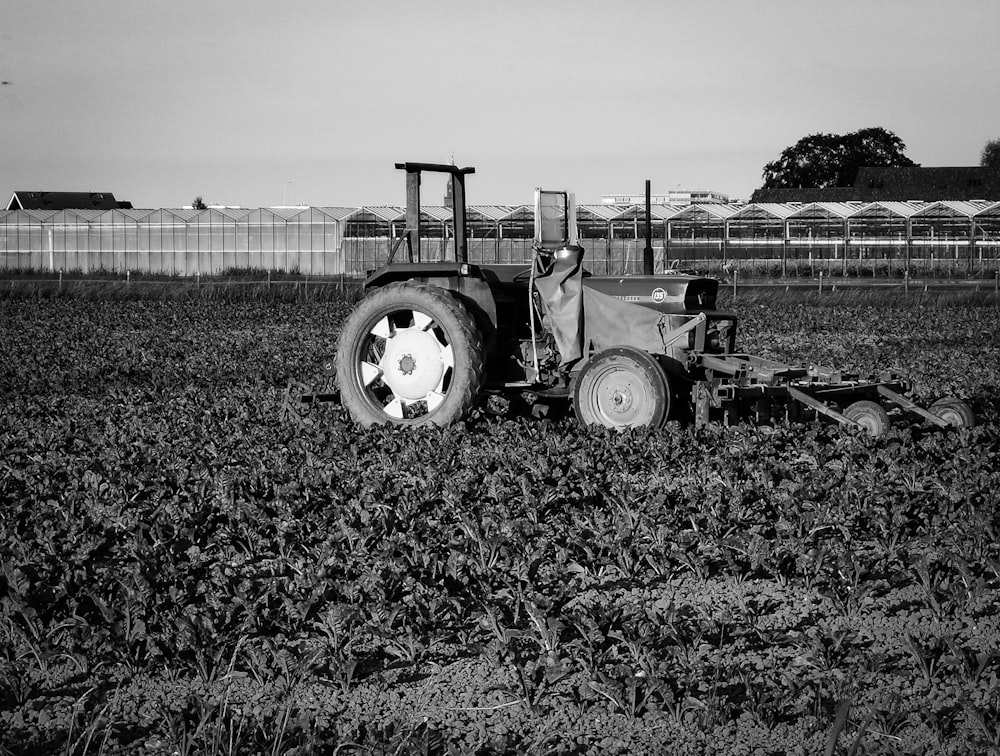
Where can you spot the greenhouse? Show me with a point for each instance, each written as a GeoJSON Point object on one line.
{"type": "Point", "coordinates": [840, 238]}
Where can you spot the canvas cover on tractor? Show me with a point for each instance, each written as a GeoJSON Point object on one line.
{"type": "Point", "coordinates": [583, 319]}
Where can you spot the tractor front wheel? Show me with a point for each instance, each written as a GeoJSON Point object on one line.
{"type": "Point", "coordinates": [955, 412]}
{"type": "Point", "coordinates": [409, 354]}
{"type": "Point", "coordinates": [871, 416]}
{"type": "Point", "coordinates": [622, 387]}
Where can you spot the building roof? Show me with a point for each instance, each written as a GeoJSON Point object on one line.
{"type": "Point", "coordinates": [806, 194]}
{"type": "Point", "coordinates": [600, 212]}
{"type": "Point", "coordinates": [898, 184]}
{"type": "Point", "coordinates": [942, 183]}
{"type": "Point", "coordinates": [65, 201]}
{"type": "Point", "coordinates": [708, 210]}
{"type": "Point", "coordinates": [884, 208]}
{"type": "Point", "coordinates": [764, 210]}
{"type": "Point", "coordinates": [954, 208]}
{"type": "Point", "coordinates": [494, 213]}
{"type": "Point", "coordinates": [828, 210]}
{"type": "Point", "coordinates": [387, 213]}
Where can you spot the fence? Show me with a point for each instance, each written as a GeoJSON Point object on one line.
{"type": "Point", "coordinates": [770, 258]}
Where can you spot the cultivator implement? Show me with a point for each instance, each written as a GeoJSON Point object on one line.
{"type": "Point", "coordinates": [747, 387]}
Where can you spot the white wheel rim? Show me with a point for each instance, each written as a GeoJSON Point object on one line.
{"type": "Point", "coordinates": [620, 397]}
{"type": "Point", "coordinates": [403, 366]}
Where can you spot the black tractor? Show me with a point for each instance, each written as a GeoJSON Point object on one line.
{"type": "Point", "coordinates": [430, 337]}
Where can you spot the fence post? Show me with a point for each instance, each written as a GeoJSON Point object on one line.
{"type": "Point", "coordinates": [785, 239]}
{"type": "Point", "coordinates": [821, 282]}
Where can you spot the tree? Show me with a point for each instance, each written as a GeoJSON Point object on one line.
{"type": "Point", "coordinates": [990, 158]}
{"type": "Point", "coordinates": [199, 204]}
{"type": "Point", "coordinates": [822, 160]}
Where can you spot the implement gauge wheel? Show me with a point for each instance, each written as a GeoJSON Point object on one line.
{"type": "Point", "coordinates": [409, 354]}
{"type": "Point", "coordinates": [869, 415]}
{"type": "Point", "coordinates": [957, 413]}
{"type": "Point", "coordinates": [622, 387]}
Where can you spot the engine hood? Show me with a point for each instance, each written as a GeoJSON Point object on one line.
{"type": "Point", "coordinates": [666, 293]}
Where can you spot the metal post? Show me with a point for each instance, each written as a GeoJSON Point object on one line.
{"type": "Point", "coordinates": [413, 215]}
{"type": "Point", "coordinates": [724, 244]}
{"type": "Point", "coordinates": [458, 216]}
{"type": "Point", "coordinates": [909, 243]}
{"type": "Point", "coordinates": [784, 250]}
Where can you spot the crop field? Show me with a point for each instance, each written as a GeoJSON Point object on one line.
{"type": "Point", "coordinates": [195, 563]}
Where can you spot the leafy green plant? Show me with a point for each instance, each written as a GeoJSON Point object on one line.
{"type": "Point", "coordinates": [187, 564]}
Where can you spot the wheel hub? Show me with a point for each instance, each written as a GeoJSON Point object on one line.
{"type": "Point", "coordinates": [407, 365]}
{"type": "Point", "coordinates": [413, 364]}
{"type": "Point", "coordinates": [619, 397]}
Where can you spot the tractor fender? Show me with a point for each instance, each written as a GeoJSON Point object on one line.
{"type": "Point", "coordinates": [465, 282]}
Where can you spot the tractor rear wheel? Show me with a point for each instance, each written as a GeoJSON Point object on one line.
{"type": "Point", "coordinates": [957, 413]}
{"type": "Point", "coordinates": [869, 415]}
{"type": "Point", "coordinates": [622, 387]}
{"type": "Point", "coordinates": [409, 354]}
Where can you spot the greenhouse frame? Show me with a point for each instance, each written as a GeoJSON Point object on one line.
{"type": "Point", "coordinates": [958, 238]}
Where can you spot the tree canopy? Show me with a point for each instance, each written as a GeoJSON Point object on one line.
{"type": "Point", "coordinates": [822, 160]}
{"type": "Point", "coordinates": [990, 157]}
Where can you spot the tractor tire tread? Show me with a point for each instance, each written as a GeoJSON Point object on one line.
{"type": "Point", "coordinates": [469, 369]}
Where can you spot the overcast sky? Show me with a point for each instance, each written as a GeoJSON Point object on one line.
{"type": "Point", "coordinates": [255, 103]}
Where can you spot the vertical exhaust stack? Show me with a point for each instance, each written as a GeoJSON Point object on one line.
{"type": "Point", "coordinates": [647, 252]}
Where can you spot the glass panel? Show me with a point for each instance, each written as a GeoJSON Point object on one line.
{"type": "Point", "coordinates": [551, 218]}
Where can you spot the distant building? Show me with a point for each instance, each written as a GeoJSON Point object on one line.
{"type": "Point", "coordinates": [898, 185]}
{"type": "Point", "coordinates": [674, 197]}
{"type": "Point", "coordinates": [66, 201]}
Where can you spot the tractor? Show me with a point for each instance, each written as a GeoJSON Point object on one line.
{"type": "Point", "coordinates": [431, 337]}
